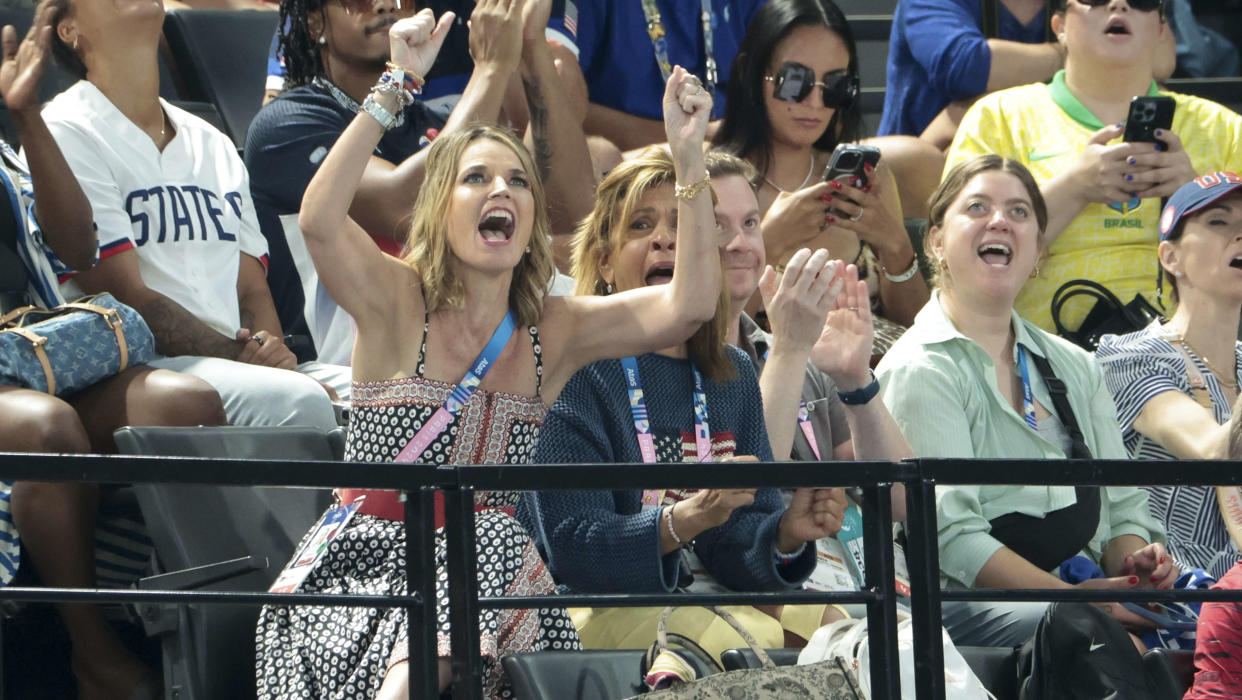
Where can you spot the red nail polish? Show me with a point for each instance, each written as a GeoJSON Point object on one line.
{"type": "Point", "coordinates": [830, 218]}
{"type": "Point", "coordinates": [835, 185]}
{"type": "Point", "coordinates": [866, 188]}
{"type": "Point", "coordinates": [1133, 580]}
{"type": "Point", "coordinates": [1161, 560]}
{"type": "Point", "coordinates": [1154, 579]}
{"type": "Point", "coordinates": [827, 198]}
{"type": "Point", "coordinates": [868, 167]}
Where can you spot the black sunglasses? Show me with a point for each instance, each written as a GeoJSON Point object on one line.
{"type": "Point", "coordinates": [1139, 5]}
{"type": "Point", "coordinates": [792, 82]}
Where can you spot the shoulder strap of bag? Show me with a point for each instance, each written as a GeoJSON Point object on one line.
{"type": "Point", "coordinates": [662, 633]}
{"type": "Point", "coordinates": [1060, 401]}
{"type": "Point", "coordinates": [991, 23]}
{"type": "Point", "coordinates": [1081, 287]}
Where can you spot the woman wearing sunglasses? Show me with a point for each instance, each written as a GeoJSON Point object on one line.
{"type": "Point", "coordinates": [1104, 194]}
{"type": "Point", "coordinates": [793, 96]}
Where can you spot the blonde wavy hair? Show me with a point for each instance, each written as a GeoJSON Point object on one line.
{"type": "Point", "coordinates": [429, 252]}
{"type": "Point", "coordinates": [601, 234]}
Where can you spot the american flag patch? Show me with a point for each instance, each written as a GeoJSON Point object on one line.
{"type": "Point", "coordinates": [571, 18]}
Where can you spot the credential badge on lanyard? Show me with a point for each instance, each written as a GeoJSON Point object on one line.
{"type": "Point", "coordinates": [642, 423]}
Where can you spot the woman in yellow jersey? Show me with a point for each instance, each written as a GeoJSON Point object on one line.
{"type": "Point", "coordinates": [1103, 194]}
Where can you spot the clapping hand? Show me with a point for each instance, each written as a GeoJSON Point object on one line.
{"type": "Point", "coordinates": [799, 302]}
{"type": "Point", "coordinates": [843, 350]}
{"type": "Point", "coordinates": [414, 42]}
{"type": "Point", "coordinates": [496, 33]}
{"type": "Point", "coordinates": [24, 64]}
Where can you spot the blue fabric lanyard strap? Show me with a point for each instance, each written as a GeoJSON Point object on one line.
{"type": "Point", "coordinates": [642, 423]}
{"type": "Point", "coordinates": [659, 42]}
{"type": "Point", "coordinates": [440, 420]}
{"type": "Point", "coordinates": [1028, 396]}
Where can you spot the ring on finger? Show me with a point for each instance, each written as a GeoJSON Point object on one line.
{"type": "Point", "coordinates": [854, 309]}
{"type": "Point", "coordinates": [859, 215]}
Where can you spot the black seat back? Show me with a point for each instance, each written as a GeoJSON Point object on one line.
{"type": "Point", "coordinates": [576, 675]}
{"type": "Point", "coordinates": [221, 58]}
{"type": "Point", "coordinates": [209, 650]}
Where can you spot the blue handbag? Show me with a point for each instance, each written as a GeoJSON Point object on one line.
{"type": "Point", "coordinates": [64, 350]}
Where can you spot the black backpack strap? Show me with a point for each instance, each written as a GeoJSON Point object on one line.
{"type": "Point", "coordinates": [1060, 401]}
{"type": "Point", "coordinates": [991, 23]}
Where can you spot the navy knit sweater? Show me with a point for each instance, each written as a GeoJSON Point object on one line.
{"type": "Point", "coordinates": [602, 541]}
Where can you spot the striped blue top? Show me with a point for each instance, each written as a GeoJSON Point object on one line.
{"type": "Point", "coordinates": [1138, 367]}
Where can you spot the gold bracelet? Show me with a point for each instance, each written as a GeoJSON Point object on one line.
{"type": "Point", "coordinates": [409, 74]}
{"type": "Point", "coordinates": [689, 192]}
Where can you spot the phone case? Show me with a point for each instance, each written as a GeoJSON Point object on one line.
{"type": "Point", "coordinates": [1147, 114]}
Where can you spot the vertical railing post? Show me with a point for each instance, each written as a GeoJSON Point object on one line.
{"type": "Point", "coordinates": [923, 557]}
{"type": "Point", "coordinates": [420, 572]}
{"type": "Point", "coordinates": [463, 592]}
{"type": "Point", "coordinates": [877, 511]}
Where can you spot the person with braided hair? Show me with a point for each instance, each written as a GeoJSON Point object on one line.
{"type": "Point", "coordinates": [334, 50]}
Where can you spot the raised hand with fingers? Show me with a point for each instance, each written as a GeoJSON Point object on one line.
{"type": "Point", "coordinates": [24, 64]}
{"type": "Point", "coordinates": [687, 110]}
{"type": "Point", "coordinates": [843, 350]}
{"type": "Point", "coordinates": [414, 42]}
{"type": "Point", "coordinates": [496, 34]}
{"type": "Point", "coordinates": [798, 303]}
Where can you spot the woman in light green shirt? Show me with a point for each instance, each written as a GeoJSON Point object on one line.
{"type": "Point", "coordinates": [966, 381]}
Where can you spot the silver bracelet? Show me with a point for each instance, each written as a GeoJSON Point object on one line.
{"type": "Point", "coordinates": [902, 276]}
{"type": "Point", "coordinates": [385, 118]}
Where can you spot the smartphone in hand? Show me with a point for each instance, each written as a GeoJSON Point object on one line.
{"type": "Point", "coordinates": [1147, 115]}
{"type": "Point", "coordinates": [851, 159]}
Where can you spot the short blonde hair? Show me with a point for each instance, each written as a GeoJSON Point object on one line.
{"type": "Point", "coordinates": [428, 240]}
{"type": "Point", "coordinates": [601, 234]}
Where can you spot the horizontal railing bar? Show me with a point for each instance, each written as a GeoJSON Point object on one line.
{"type": "Point", "coordinates": [636, 600]}
{"type": "Point", "coordinates": [562, 477]}
{"type": "Point", "coordinates": [222, 472]}
{"type": "Point", "coordinates": [128, 595]}
{"type": "Point", "coordinates": [1066, 472]}
{"type": "Point", "coordinates": [1096, 595]}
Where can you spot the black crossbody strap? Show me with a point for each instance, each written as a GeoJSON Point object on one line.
{"type": "Point", "coordinates": [990, 21]}
{"type": "Point", "coordinates": [1060, 401]}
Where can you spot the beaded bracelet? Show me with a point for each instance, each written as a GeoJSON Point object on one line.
{"type": "Point", "coordinates": [392, 83]}
{"type": "Point", "coordinates": [668, 515]}
{"type": "Point", "coordinates": [410, 80]}
{"type": "Point", "coordinates": [788, 557]}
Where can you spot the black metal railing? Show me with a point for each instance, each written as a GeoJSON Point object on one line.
{"type": "Point", "coordinates": [459, 484]}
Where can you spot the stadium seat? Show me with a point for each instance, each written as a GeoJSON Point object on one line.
{"type": "Point", "coordinates": [1172, 671]}
{"type": "Point", "coordinates": [221, 58]}
{"type": "Point", "coordinates": [223, 539]}
{"type": "Point", "coordinates": [579, 675]}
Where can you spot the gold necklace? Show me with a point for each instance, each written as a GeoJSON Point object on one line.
{"type": "Point", "coordinates": [1203, 358]}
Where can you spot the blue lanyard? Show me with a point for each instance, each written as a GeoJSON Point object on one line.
{"type": "Point", "coordinates": [659, 42]}
{"type": "Point", "coordinates": [642, 424]}
{"type": "Point", "coordinates": [444, 415]}
{"type": "Point", "coordinates": [1028, 397]}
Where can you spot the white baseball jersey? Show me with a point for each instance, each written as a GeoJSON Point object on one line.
{"type": "Point", "coordinates": [186, 212]}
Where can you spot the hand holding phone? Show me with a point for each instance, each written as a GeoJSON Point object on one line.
{"type": "Point", "coordinates": [1149, 114]}
{"type": "Point", "coordinates": [851, 159]}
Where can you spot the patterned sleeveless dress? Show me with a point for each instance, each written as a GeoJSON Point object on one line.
{"type": "Point", "coordinates": [340, 652]}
